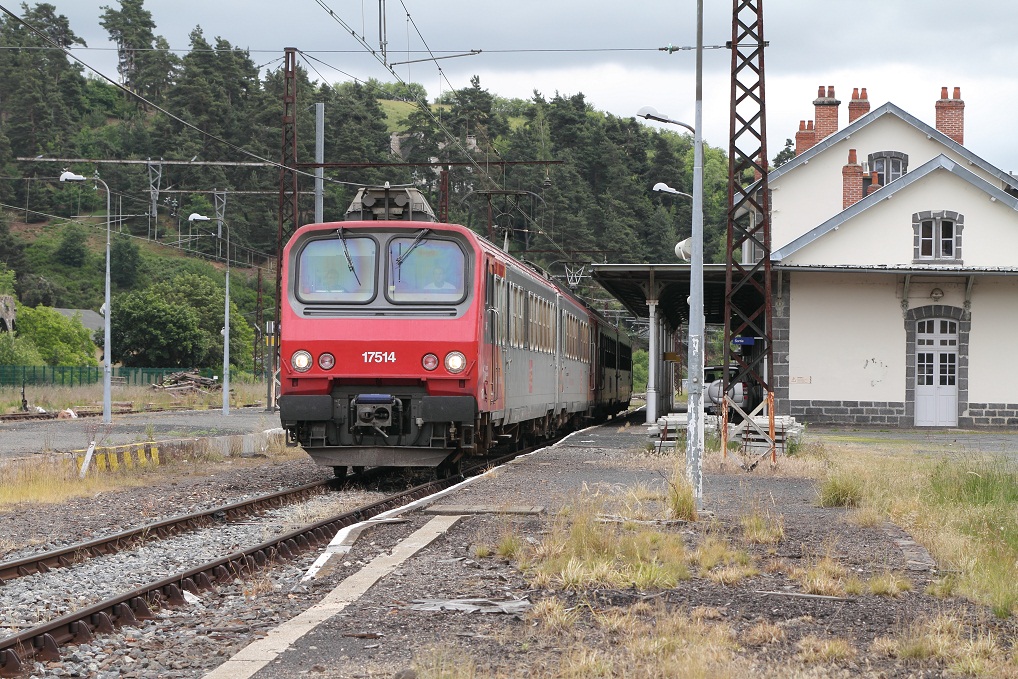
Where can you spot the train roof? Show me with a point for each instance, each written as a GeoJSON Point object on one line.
{"type": "Point", "coordinates": [407, 204]}
{"type": "Point", "coordinates": [391, 204]}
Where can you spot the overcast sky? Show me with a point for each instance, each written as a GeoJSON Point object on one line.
{"type": "Point", "coordinates": [902, 51]}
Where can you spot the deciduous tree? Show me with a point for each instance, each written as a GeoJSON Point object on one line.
{"type": "Point", "coordinates": [60, 340]}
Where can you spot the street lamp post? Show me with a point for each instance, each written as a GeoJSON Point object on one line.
{"type": "Point", "coordinates": [195, 217]}
{"type": "Point", "coordinates": [695, 426]}
{"type": "Point", "coordinates": [67, 176]}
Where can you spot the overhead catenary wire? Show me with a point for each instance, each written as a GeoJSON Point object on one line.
{"type": "Point", "coordinates": [422, 104]}
{"type": "Point", "coordinates": [155, 106]}
{"type": "Point", "coordinates": [67, 51]}
{"type": "Point", "coordinates": [269, 259]}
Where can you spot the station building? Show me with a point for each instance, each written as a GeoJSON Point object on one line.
{"type": "Point", "coordinates": [895, 274]}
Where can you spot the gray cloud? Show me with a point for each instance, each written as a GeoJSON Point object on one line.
{"type": "Point", "coordinates": [901, 50]}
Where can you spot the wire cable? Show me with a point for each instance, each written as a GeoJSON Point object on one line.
{"type": "Point", "coordinates": [155, 106]}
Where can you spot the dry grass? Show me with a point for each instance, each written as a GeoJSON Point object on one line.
{"type": "Point", "coordinates": [825, 577]}
{"type": "Point", "coordinates": [840, 489]}
{"type": "Point", "coordinates": [646, 641]}
{"type": "Point", "coordinates": [643, 502]}
{"type": "Point", "coordinates": [441, 662]}
{"type": "Point", "coordinates": [810, 460]}
{"type": "Point", "coordinates": [509, 545]}
{"type": "Point", "coordinates": [681, 499]}
{"type": "Point", "coordinates": [50, 480]}
{"type": "Point", "coordinates": [889, 584]}
{"type": "Point", "coordinates": [54, 398]}
{"type": "Point", "coordinates": [257, 585]}
{"type": "Point", "coordinates": [814, 649]}
{"type": "Point", "coordinates": [54, 478]}
{"type": "Point", "coordinates": [948, 640]}
{"type": "Point", "coordinates": [551, 615]}
{"type": "Point", "coordinates": [960, 508]}
{"type": "Point", "coordinates": [867, 517]}
{"type": "Point", "coordinates": [580, 552]}
{"type": "Point", "coordinates": [760, 528]}
{"type": "Point", "coordinates": [714, 551]}
{"type": "Point", "coordinates": [763, 633]}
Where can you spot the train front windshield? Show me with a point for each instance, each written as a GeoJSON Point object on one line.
{"type": "Point", "coordinates": [338, 270]}
{"type": "Point", "coordinates": [417, 269]}
{"type": "Point", "coordinates": [425, 270]}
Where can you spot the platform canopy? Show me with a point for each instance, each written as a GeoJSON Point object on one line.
{"type": "Point", "coordinates": [634, 284]}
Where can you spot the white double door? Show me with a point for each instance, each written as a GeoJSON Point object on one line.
{"type": "Point", "coordinates": [936, 390]}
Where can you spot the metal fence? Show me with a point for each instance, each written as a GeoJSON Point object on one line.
{"type": "Point", "coordinates": [71, 376]}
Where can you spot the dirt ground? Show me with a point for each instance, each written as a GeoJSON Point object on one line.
{"type": "Point", "coordinates": [756, 625]}
{"type": "Point", "coordinates": [766, 630]}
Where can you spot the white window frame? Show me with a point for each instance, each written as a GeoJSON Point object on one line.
{"type": "Point", "coordinates": [930, 243]}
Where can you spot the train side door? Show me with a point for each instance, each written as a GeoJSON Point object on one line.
{"type": "Point", "coordinates": [495, 331]}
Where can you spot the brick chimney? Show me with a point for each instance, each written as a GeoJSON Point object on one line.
{"type": "Point", "coordinates": [826, 106]}
{"type": "Point", "coordinates": [805, 137]}
{"type": "Point", "coordinates": [851, 175]}
{"type": "Point", "coordinates": [951, 115]}
{"type": "Point", "coordinates": [859, 106]}
{"type": "Point", "coordinates": [874, 183]}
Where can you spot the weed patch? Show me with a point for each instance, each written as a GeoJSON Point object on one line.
{"type": "Point", "coordinates": [840, 489]}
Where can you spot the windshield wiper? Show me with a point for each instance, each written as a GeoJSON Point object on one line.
{"type": "Point", "coordinates": [349, 259]}
{"type": "Point", "coordinates": [417, 241]}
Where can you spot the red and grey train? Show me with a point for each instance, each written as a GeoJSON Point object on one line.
{"type": "Point", "coordinates": [405, 342]}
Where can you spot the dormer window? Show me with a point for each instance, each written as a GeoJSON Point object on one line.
{"type": "Point", "coordinates": [937, 237]}
{"type": "Point", "coordinates": [889, 165]}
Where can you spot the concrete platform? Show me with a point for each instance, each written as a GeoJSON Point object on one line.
{"type": "Point", "coordinates": [29, 438]}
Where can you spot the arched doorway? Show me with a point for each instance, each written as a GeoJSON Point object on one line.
{"type": "Point", "coordinates": [936, 374]}
{"type": "Point", "coordinates": [937, 350]}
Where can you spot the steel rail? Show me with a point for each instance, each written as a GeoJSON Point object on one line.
{"type": "Point", "coordinates": [61, 558]}
{"type": "Point", "coordinates": [44, 641]}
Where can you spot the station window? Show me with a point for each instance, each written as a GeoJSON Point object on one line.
{"type": "Point", "coordinates": [937, 237]}
{"type": "Point", "coordinates": [889, 165]}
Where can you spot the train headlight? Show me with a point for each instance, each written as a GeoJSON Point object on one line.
{"type": "Point", "coordinates": [301, 361]}
{"type": "Point", "coordinates": [326, 361]}
{"type": "Point", "coordinates": [455, 362]}
{"type": "Point", "coordinates": [430, 362]}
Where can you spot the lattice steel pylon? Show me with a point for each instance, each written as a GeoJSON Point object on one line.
{"type": "Point", "coordinates": [749, 221]}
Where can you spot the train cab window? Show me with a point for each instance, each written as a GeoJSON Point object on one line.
{"type": "Point", "coordinates": [340, 269]}
{"type": "Point", "coordinates": [424, 270]}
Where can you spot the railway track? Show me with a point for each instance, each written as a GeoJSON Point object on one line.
{"type": "Point", "coordinates": [62, 558]}
{"type": "Point", "coordinates": [43, 642]}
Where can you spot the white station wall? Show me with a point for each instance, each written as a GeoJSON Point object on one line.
{"type": "Point", "coordinates": [846, 338]}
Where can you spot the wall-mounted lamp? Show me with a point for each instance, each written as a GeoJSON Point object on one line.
{"type": "Point", "coordinates": [936, 294]}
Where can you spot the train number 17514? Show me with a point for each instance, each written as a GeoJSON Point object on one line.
{"type": "Point", "coordinates": [379, 356]}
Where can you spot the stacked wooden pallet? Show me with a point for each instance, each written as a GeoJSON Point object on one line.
{"type": "Point", "coordinates": [786, 430]}
{"type": "Point", "coordinates": [187, 383]}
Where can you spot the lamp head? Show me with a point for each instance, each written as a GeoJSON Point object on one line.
{"type": "Point", "coordinates": [684, 248]}
{"type": "Point", "coordinates": [661, 186]}
{"type": "Point", "coordinates": [195, 217]}
{"type": "Point", "coordinates": [68, 176]}
{"type": "Point", "coordinates": [650, 113]}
